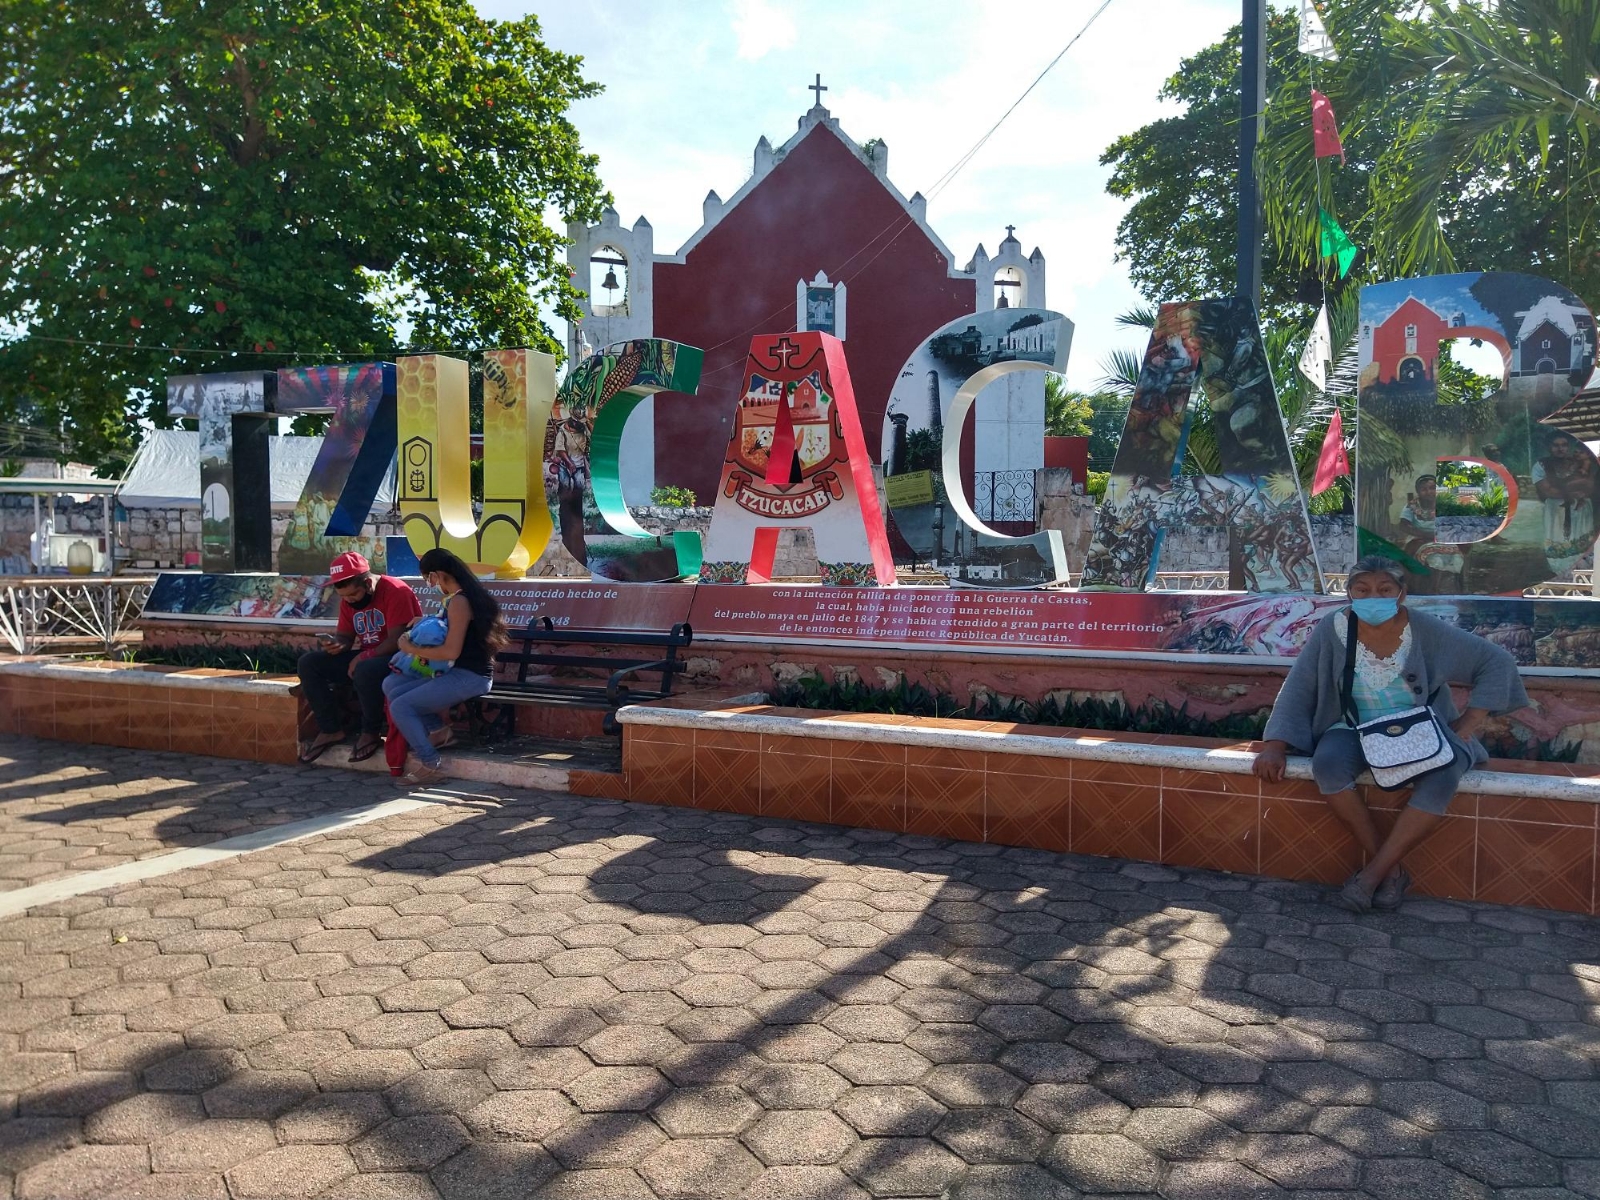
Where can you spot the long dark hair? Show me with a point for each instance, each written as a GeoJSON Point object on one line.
{"type": "Point", "coordinates": [485, 608]}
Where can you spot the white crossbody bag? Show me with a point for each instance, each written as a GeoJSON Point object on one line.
{"type": "Point", "coordinates": [1399, 748]}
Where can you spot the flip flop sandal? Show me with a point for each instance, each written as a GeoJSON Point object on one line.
{"type": "Point", "coordinates": [363, 752]}
{"type": "Point", "coordinates": [317, 750]}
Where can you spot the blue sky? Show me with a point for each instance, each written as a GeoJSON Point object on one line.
{"type": "Point", "coordinates": [692, 84]}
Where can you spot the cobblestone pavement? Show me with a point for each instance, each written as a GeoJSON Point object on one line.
{"type": "Point", "coordinates": [529, 995]}
{"type": "Point", "coordinates": [67, 808]}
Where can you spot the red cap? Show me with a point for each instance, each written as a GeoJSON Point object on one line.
{"type": "Point", "coordinates": [348, 566]}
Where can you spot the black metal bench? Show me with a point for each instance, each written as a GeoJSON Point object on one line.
{"type": "Point", "coordinates": [541, 642]}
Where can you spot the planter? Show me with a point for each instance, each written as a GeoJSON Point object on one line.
{"type": "Point", "coordinates": [225, 714]}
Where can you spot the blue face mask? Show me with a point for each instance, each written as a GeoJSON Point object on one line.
{"type": "Point", "coordinates": [1376, 610]}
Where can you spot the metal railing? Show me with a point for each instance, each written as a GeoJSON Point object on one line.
{"type": "Point", "coordinates": [1004, 495]}
{"type": "Point", "coordinates": [35, 611]}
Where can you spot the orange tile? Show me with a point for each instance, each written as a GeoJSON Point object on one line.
{"type": "Point", "coordinates": [868, 786]}
{"type": "Point", "coordinates": [1446, 864]}
{"type": "Point", "coordinates": [1208, 829]}
{"type": "Point", "coordinates": [807, 747]}
{"type": "Point", "coordinates": [727, 780]}
{"type": "Point", "coordinates": [194, 737]}
{"type": "Point", "coordinates": [795, 786]}
{"type": "Point", "coordinates": [945, 758]}
{"type": "Point", "coordinates": [944, 803]}
{"type": "Point", "coordinates": [36, 709]}
{"type": "Point", "coordinates": [606, 785]}
{"type": "Point", "coordinates": [74, 720]}
{"type": "Point", "coordinates": [659, 773]}
{"type": "Point", "coordinates": [1119, 820]}
{"type": "Point", "coordinates": [717, 739]}
{"type": "Point", "coordinates": [1576, 814]}
{"type": "Point", "coordinates": [1305, 841]}
{"type": "Point", "coordinates": [1027, 810]}
{"type": "Point", "coordinates": [1040, 766]}
{"type": "Point", "coordinates": [1291, 789]}
{"type": "Point", "coordinates": [1186, 780]}
{"type": "Point", "coordinates": [1545, 865]}
{"type": "Point", "coordinates": [109, 722]}
{"type": "Point", "coordinates": [1091, 770]}
{"type": "Point", "coordinates": [275, 739]}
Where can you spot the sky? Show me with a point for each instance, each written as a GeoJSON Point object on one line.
{"type": "Point", "coordinates": [691, 85]}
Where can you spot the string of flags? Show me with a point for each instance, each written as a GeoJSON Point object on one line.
{"type": "Point", "coordinates": [1333, 244]}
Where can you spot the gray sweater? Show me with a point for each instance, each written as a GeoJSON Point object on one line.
{"type": "Point", "coordinates": [1309, 703]}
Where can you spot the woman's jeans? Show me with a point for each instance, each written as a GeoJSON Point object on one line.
{"type": "Point", "coordinates": [1337, 760]}
{"type": "Point", "coordinates": [415, 705]}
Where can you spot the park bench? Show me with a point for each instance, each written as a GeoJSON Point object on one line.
{"type": "Point", "coordinates": [624, 656]}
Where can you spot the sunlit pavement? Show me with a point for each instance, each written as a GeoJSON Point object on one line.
{"type": "Point", "coordinates": [522, 994]}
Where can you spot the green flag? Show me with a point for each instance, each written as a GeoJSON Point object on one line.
{"type": "Point", "coordinates": [1336, 242]}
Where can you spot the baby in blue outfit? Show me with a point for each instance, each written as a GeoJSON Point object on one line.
{"type": "Point", "coordinates": [429, 631]}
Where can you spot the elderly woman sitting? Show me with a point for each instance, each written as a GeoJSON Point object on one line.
{"type": "Point", "coordinates": [1403, 659]}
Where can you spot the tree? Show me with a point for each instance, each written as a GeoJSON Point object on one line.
{"type": "Point", "coordinates": [1479, 122]}
{"type": "Point", "coordinates": [1067, 413]}
{"type": "Point", "coordinates": [243, 186]}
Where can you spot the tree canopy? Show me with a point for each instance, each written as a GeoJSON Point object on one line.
{"type": "Point", "coordinates": [251, 184]}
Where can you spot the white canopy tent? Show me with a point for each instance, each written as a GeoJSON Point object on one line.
{"type": "Point", "coordinates": [165, 473]}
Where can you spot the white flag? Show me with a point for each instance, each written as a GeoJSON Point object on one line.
{"type": "Point", "coordinates": [1314, 39]}
{"type": "Point", "coordinates": [1316, 360]}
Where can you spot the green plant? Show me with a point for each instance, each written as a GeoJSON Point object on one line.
{"type": "Point", "coordinates": [1096, 485]}
{"type": "Point", "coordinates": [1495, 501]}
{"type": "Point", "coordinates": [263, 659]}
{"type": "Point", "coordinates": [1458, 506]}
{"type": "Point", "coordinates": [673, 497]}
{"type": "Point", "coordinates": [1505, 745]}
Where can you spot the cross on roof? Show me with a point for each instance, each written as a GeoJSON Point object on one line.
{"type": "Point", "coordinates": [818, 88]}
{"type": "Point", "coordinates": [1010, 229]}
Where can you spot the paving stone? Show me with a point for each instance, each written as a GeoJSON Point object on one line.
{"type": "Point", "coordinates": [258, 1094]}
{"type": "Point", "coordinates": [527, 1116]}
{"type": "Point", "coordinates": [442, 1091]}
{"type": "Point", "coordinates": [415, 1143]}
{"type": "Point", "coordinates": [798, 1137]}
{"type": "Point", "coordinates": [803, 1183]}
{"type": "Point", "coordinates": [1433, 1105]}
{"type": "Point", "coordinates": [83, 1170]}
{"type": "Point", "coordinates": [193, 1070]}
{"type": "Point", "coordinates": [1216, 1181]}
{"type": "Point", "coordinates": [290, 1172]}
{"type": "Point", "coordinates": [903, 1167]}
{"type": "Point", "coordinates": [614, 1139]}
{"type": "Point", "coordinates": [1103, 1162]}
{"type": "Point", "coordinates": [991, 1135]}
{"type": "Point", "coordinates": [972, 1083]}
{"type": "Point", "coordinates": [333, 1118]}
{"type": "Point", "coordinates": [1182, 1133]}
{"type": "Point", "coordinates": [213, 1145]}
{"type": "Point", "coordinates": [1012, 1182]}
{"type": "Point", "coordinates": [1298, 1160]}
{"type": "Point", "coordinates": [1419, 1179]}
{"type": "Point", "coordinates": [494, 1171]}
{"type": "Point", "coordinates": [1497, 1160]}
{"type": "Point", "coordinates": [715, 1111]}
{"type": "Point", "coordinates": [879, 1063]}
{"type": "Point", "coordinates": [604, 1183]}
{"type": "Point", "coordinates": [384, 1185]}
{"type": "Point", "coordinates": [1556, 1131]}
{"type": "Point", "coordinates": [143, 1118]}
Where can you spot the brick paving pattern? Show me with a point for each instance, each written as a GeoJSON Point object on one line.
{"type": "Point", "coordinates": [67, 808]}
{"type": "Point", "coordinates": [526, 995]}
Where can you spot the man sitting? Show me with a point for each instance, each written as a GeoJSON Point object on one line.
{"type": "Point", "coordinates": [374, 611]}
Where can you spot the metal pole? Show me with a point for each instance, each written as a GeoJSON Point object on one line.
{"type": "Point", "coordinates": [1252, 107]}
{"type": "Point", "coordinates": [111, 534]}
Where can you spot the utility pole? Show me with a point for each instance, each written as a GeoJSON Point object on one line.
{"type": "Point", "coordinates": [1252, 111]}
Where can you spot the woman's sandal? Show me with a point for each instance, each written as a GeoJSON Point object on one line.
{"type": "Point", "coordinates": [317, 749]}
{"type": "Point", "coordinates": [366, 749]}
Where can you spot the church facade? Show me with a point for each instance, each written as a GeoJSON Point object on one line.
{"type": "Point", "coordinates": [817, 238]}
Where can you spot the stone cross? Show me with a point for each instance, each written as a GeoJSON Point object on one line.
{"type": "Point", "coordinates": [818, 88]}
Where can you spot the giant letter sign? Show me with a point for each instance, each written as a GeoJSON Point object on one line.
{"type": "Point", "coordinates": [797, 458]}
{"type": "Point", "coordinates": [1216, 343]}
{"type": "Point", "coordinates": [922, 431]}
{"type": "Point", "coordinates": [1546, 336]}
{"type": "Point", "coordinates": [235, 465]}
{"type": "Point", "coordinates": [581, 459]}
{"type": "Point", "coordinates": [356, 453]}
{"type": "Point", "coordinates": [435, 490]}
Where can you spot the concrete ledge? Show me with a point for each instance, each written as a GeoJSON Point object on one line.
{"type": "Point", "coordinates": [100, 671]}
{"type": "Point", "coordinates": [1136, 750]}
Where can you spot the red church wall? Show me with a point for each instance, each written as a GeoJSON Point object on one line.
{"type": "Point", "coordinates": [821, 208]}
{"type": "Point", "coordinates": [1389, 339]}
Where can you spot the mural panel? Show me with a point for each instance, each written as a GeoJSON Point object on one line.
{"type": "Point", "coordinates": [357, 451]}
{"type": "Point", "coordinates": [235, 465]}
{"type": "Point", "coordinates": [797, 458]}
{"type": "Point", "coordinates": [928, 410]}
{"type": "Point", "coordinates": [1546, 338]}
{"type": "Point", "coordinates": [582, 467]}
{"type": "Point", "coordinates": [1215, 344]}
{"type": "Point", "coordinates": [435, 486]}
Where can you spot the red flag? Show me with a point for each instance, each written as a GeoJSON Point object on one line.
{"type": "Point", "coordinates": [1332, 462]}
{"type": "Point", "coordinates": [1324, 129]}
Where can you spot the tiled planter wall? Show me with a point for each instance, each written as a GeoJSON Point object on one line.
{"type": "Point", "coordinates": [1176, 808]}
{"type": "Point", "coordinates": [226, 714]}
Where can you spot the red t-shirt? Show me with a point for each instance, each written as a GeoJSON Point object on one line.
{"type": "Point", "coordinates": [393, 605]}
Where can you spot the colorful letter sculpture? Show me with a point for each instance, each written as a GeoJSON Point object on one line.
{"type": "Point", "coordinates": [797, 458]}
{"type": "Point", "coordinates": [922, 431]}
{"type": "Point", "coordinates": [235, 465]}
{"type": "Point", "coordinates": [1546, 336]}
{"type": "Point", "coordinates": [582, 460]}
{"type": "Point", "coordinates": [1217, 344]}
{"type": "Point", "coordinates": [435, 491]}
{"type": "Point", "coordinates": [357, 452]}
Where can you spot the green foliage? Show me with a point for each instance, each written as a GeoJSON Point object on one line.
{"type": "Point", "coordinates": [1504, 745]}
{"type": "Point", "coordinates": [1105, 428]}
{"type": "Point", "coordinates": [1066, 413]}
{"type": "Point", "coordinates": [1096, 486]}
{"type": "Point", "coordinates": [1461, 474]}
{"type": "Point", "coordinates": [924, 450]}
{"type": "Point", "coordinates": [261, 183]}
{"type": "Point", "coordinates": [673, 497]}
{"type": "Point", "coordinates": [1493, 501]}
{"type": "Point", "coordinates": [851, 695]}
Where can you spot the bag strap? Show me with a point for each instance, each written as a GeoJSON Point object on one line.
{"type": "Point", "coordinates": [1347, 691]}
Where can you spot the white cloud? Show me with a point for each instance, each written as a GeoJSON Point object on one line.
{"type": "Point", "coordinates": [762, 28]}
